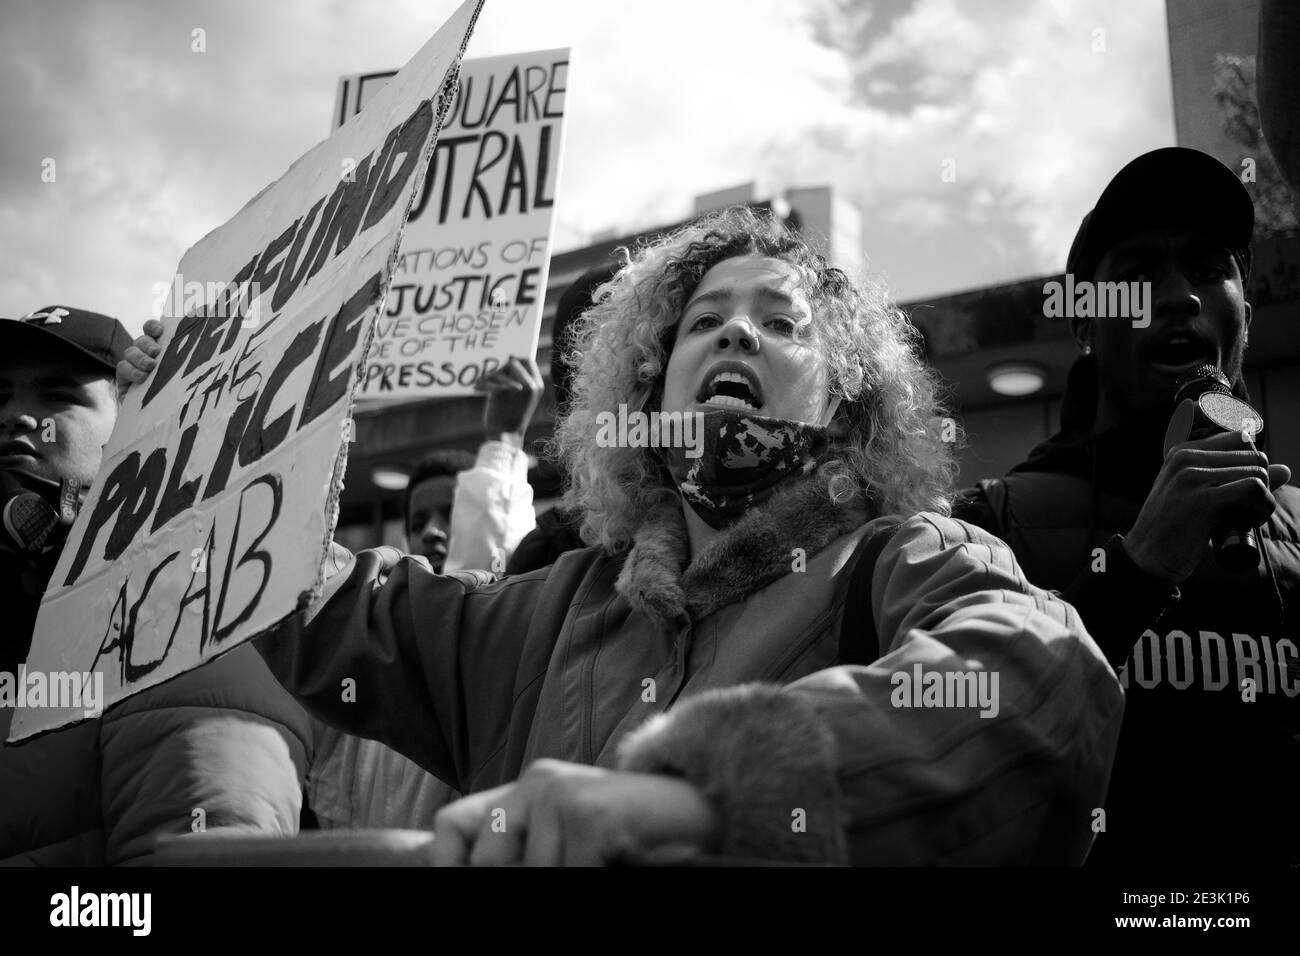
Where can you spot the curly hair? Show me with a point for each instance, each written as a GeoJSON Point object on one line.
{"type": "Point", "coordinates": [892, 453]}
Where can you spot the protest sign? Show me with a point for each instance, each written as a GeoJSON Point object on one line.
{"type": "Point", "coordinates": [469, 288]}
{"type": "Point", "coordinates": [217, 499]}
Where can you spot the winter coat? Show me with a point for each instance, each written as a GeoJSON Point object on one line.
{"type": "Point", "coordinates": [557, 531]}
{"type": "Point", "coordinates": [474, 678]}
{"type": "Point", "coordinates": [221, 746]}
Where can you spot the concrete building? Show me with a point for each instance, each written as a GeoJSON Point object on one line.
{"type": "Point", "coordinates": [1200, 30]}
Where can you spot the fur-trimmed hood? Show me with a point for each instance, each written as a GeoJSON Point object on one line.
{"type": "Point", "coordinates": [752, 553]}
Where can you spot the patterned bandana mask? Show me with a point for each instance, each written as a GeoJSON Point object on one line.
{"type": "Point", "coordinates": [744, 458]}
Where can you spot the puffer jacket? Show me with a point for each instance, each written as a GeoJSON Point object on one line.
{"type": "Point", "coordinates": [218, 747]}
{"type": "Point", "coordinates": [222, 746]}
{"type": "Point", "coordinates": [473, 679]}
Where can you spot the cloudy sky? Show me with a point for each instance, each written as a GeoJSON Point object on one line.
{"type": "Point", "coordinates": [1037, 102]}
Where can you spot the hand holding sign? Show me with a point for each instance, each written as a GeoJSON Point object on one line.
{"type": "Point", "coordinates": [141, 357]}
{"type": "Point", "coordinates": [513, 393]}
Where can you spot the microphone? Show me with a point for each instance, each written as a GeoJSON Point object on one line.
{"type": "Point", "coordinates": [1205, 407]}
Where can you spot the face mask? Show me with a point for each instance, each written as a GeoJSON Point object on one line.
{"type": "Point", "coordinates": [744, 459]}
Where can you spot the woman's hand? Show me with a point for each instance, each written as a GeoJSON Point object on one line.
{"type": "Point", "coordinates": [571, 814]}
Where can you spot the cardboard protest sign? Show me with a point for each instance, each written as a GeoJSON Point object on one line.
{"type": "Point", "coordinates": [468, 290]}
{"type": "Point", "coordinates": [217, 498]}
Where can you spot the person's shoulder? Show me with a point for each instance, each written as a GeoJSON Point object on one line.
{"type": "Point", "coordinates": [918, 536]}
{"type": "Point", "coordinates": [946, 529]}
{"type": "Point", "coordinates": [236, 681]}
{"type": "Point", "coordinates": [989, 492]}
{"type": "Point", "coordinates": [573, 563]}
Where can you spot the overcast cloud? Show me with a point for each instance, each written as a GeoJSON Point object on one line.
{"type": "Point", "coordinates": [155, 145]}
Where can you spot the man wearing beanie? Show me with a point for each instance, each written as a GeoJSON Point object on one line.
{"type": "Point", "coordinates": [1208, 766]}
{"type": "Point", "coordinates": [223, 746]}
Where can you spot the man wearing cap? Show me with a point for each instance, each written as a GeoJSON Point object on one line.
{"type": "Point", "coordinates": [219, 747]}
{"type": "Point", "coordinates": [1208, 767]}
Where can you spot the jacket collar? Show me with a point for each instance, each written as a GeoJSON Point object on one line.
{"type": "Point", "coordinates": [745, 557]}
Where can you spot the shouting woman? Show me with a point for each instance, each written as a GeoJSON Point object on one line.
{"type": "Point", "coordinates": [777, 646]}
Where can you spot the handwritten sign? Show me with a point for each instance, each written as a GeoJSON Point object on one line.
{"type": "Point", "coordinates": [468, 290]}
{"type": "Point", "coordinates": [218, 495]}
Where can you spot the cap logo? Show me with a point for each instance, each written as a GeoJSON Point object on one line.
{"type": "Point", "coordinates": [52, 317]}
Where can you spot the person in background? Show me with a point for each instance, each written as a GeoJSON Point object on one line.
{"type": "Point", "coordinates": [1208, 768]}
{"type": "Point", "coordinates": [427, 504]}
{"type": "Point", "coordinates": [223, 739]}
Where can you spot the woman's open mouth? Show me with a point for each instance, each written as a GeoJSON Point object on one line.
{"type": "Point", "coordinates": [731, 385]}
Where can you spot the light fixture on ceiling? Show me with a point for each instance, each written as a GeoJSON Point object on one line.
{"type": "Point", "coordinates": [389, 477]}
{"type": "Point", "coordinates": [1016, 378]}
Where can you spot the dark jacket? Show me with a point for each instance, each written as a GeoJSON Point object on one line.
{"type": "Point", "coordinates": [1204, 774]}
{"type": "Point", "coordinates": [222, 746]}
{"type": "Point", "coordinates": [473, 679]}
{"type": "Point", "coordinates": [556, 533]}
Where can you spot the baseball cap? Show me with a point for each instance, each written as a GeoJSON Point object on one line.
{"type": "Point", "coordinates": [100, 338]}
{"type": "Point", "coordinates": [1171, 187]}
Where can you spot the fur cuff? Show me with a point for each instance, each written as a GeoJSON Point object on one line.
{"type": "Point", "coordinates": [765, 761]}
